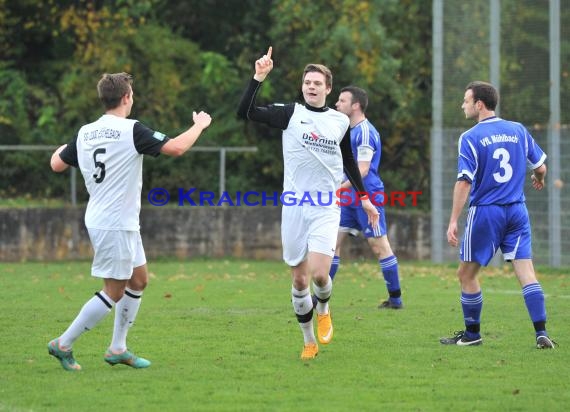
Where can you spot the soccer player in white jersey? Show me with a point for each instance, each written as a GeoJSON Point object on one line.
{"type": "Point", "coordinates": [492, 164]}
{"type": "Point", "coordinates": [109, 152]}
{"type": "Point", "coordinates": [316, 149]}
{"type": "Point", "coordinates": [367, 150]}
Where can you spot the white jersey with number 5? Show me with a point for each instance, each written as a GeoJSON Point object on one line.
{"type": "Point", "coordinates": [109, 153]}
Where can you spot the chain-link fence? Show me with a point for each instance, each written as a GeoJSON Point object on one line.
{"type": "Point", "coordinates": [537, 202]}
{"type": "Point", "coordinates": [521, 46]}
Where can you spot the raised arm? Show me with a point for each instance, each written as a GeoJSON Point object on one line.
{"type": "Point", "coordinates": [184, 141]}
{"type": "Point", "coordinates": [274, 115]}
{"type": "Point", "coordinates": [246, 108]}
{"type": "Point", "coordinates": [263, 66]}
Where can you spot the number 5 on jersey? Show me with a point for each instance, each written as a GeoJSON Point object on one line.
{"type": "Point", "coordinates": [99, 165]}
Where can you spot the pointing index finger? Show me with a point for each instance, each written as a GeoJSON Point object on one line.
{"type": "Point", "coordinates": [269, 51]}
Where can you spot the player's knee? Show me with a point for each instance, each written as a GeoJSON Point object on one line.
{"type": "Point", "coordinates": [381, 247]}
{"type": "Point", "coordinates": [138, 284]}
{"type": "Point", "coordinates": [321, 278]}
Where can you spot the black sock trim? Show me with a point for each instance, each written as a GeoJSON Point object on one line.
{"type": "Point", "coordinates": [129, 294]}
{"type": "Point", "coordinates": [540, 325]}
{"type": "Point", "coordinates": [307, 317]}
{"type": "Point", "coordinates": [475, 328]}
{"type": "Point", "coordinates": [104, 300]}
{"type": "Point", "coordinates": [395, 293]}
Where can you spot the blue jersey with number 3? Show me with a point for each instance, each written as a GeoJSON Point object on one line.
{"type": "Point", "coordinates": [493, 156]}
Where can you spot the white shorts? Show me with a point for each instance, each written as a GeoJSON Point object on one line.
{"type": "Point", "coordinates": [306, 229]}
{"type": "Point", "coordinates": [117, 253]}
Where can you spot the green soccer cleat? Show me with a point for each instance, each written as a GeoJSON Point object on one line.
{"type": "Point", "coordinates": [126, 358]}
{"type": "Point", "coordinates": [65, 357]}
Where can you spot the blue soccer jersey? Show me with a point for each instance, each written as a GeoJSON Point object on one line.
{"type": "Point", "coordinates": [365, 139]}
{"type": "Point", "coordinates": [365, 136]}
{"type": "Point", "coordinates": [489, 152]}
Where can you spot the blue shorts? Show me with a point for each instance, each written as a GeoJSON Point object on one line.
{"type": "Point", "coordinates": [492, 227]}
{"type": "Point", "coordinates": [354, 218]}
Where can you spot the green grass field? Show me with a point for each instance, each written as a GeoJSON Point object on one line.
{"type": "Point", "coordinates": [222, 336]}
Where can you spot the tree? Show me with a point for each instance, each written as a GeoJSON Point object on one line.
{"type": "Point", "coordinates": [361, 41]}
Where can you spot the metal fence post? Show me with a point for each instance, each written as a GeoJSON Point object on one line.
{"type": "Point", "coordinates": [222, 170]}
{"type": "Point", "coordinates": [554, 220]}
{"type": "Point", "coordinates": [437, 228]}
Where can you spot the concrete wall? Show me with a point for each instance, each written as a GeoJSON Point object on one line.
{"type": "Point", "coordinates": [246, 232]}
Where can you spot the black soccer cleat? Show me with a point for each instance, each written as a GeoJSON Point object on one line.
{"type": "Point", "coordinates": [461, 340]}
{"type": "Point", "coordinates": [544, 342]}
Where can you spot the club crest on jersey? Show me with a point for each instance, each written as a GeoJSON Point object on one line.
{"type": "Point", "coordinates": [159, 136]}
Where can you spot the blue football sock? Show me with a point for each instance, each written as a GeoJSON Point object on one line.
{"type": "Point", "coordinates": [389, 267]}
{"type": "Point", "coordinates": [334, 266]}
{"type": "Point", "coordinates": [472, 305]}
{"type": "Point", "coordinates": [534, 301]}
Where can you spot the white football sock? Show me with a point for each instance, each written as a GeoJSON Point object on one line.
{"type": "Point", "coordinates": [125, 314]}
{"type": "Point", "coordinates": [303, 307]}
{"type": "Point", "coordinates": [324, 293]}
{"type": "Point", "coordinates": [89, 316]}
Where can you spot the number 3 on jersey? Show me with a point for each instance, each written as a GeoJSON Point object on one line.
{"type": "Point", "coordinates": [504, 157]}
{"type": "Point", "coordinates": [99, 165]}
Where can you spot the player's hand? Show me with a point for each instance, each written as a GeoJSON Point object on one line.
{"type": "Point", "coordinates": [201, 119]}
{"type": "Point", "coordinates": [263, 66]}
{"type": "Point", "coordinates": [452, 234]}
{"type": "Point", "coordinates": [371, 211]}
{"type": "Point", "coordinates": [537, 183]}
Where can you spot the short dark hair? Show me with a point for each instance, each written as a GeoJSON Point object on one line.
{"type": "Point", "coordinates": [319, 68]}
{"type": "Point", "coordinates": [112, 87]}
{"type": "Point", "coordinates": [485, 92]}
{"type": "Point", "coordinates": [358, 96]}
